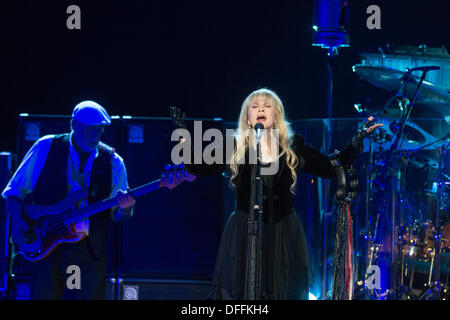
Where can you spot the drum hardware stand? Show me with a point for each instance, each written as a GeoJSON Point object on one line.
{"type": "Point", "coordinates": [438, 241]}
{"type": "Point", "coordinates": [433, 289]}
{"type": "Point", "coordinates": [253, 290]}
{"type": "Point", "coordinates": [404, 271]}
{"type": "Point", "coordinates": [428, 287]}
{"type": "Point", "coordinates": [394, 189]}
{"type": "Point", "coordinates": [411, 279]}
{"type": "Point", "coordinates": [400, 235]}
{"type": "Point", "coordinates": [373, 246]}
{"type": "Point", "coordinates": [369, 183]}
{"type": "Point", "coordinates": [374, 249]}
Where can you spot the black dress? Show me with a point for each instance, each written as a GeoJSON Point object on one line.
{"type": "Point", "coordinates": [285, 258]}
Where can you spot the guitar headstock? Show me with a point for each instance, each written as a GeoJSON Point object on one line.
{"type": "Point", "coordinates": [178, 117]}
{"type": "Point", "coordinates": [174, 175]}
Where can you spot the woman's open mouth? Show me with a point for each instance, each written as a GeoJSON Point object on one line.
{"type": "Point", "coordinates": [261, 118]}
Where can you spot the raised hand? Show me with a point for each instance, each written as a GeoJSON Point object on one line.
{"type": "Point", "coordinates": [371, 129]}
{"type": "Point", "coordinates": [366, 130]}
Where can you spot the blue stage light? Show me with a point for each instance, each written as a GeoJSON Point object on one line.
{"type": "Point", "coordinates": [311, 296]}
{"type": "Point", "coordinates": [331, 23]}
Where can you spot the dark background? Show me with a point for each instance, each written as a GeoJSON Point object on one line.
{"type": "Point", "coordinates": [139, 57]}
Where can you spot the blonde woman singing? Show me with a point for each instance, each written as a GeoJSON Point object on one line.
{"type": "Point", "coordinates": [285, 261]}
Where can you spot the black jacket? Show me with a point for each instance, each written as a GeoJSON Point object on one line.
{"type": "Point", "coordinates": [280, 198]}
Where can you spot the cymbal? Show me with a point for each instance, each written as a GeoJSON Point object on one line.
{"type": "Point", "coordinates": [421, 110]}
{"type": "Point", "coordinates": [390, 80]}
{"type": "Point", "coordinates": [423, 159]}
{"type": "Point", "coordinates": [410, 134]}
{"type": "Point", "coordinates": [431, 117]}
{"type": "Point", "coordinates": [436, 106]}
{"type": "Point", "coordinates": [413, 136]}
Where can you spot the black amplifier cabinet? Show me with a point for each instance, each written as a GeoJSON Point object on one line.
{"type": "Point", "coordinates": [33, 127]}
{"type": "Point", "coordinates": [174, 234]}
{"type": "Point", "coordinates": [20, 288]}
{"type": "Point", "coordinates": [157, 289]}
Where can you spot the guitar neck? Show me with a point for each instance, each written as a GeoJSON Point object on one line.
{"type": "Point", "coordinates": [109, 203]}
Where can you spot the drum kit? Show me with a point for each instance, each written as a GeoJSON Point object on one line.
{"type": "Point", "coordinates": [406, 229]}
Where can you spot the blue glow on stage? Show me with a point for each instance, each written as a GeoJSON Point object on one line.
{"type": "Point", "coordinates": [311, 296]}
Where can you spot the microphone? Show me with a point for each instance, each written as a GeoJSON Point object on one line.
{"type": "Point", "coordinates": [258, 127]}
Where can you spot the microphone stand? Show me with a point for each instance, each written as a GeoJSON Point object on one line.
{"type": "Point", "coordinates": [253, 289]}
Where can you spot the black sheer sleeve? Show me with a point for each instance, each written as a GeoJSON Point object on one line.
{"type": "Point", "coordinates": [203, 168]}
{"type": "Point", "coordinates": [317, 163]}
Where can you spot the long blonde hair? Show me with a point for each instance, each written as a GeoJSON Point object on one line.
{"type": "Point", "coordinates": [282, 125]}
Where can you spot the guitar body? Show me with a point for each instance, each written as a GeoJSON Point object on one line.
{"type": "Point", "coordinates": [46, 242]}
{"type": "Point", "coordinates": [48, 229]}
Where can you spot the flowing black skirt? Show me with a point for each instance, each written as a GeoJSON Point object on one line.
{"type": "Point", "coordinates": [285, 260]}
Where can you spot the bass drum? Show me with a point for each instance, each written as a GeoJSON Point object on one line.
{"type": "Point", "coordinates": [418, 242]}
{"type": "Point", "coordinates": [419, 260]}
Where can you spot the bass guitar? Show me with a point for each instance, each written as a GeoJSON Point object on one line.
{"type": "Point", "coordinates": [51, 225]}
